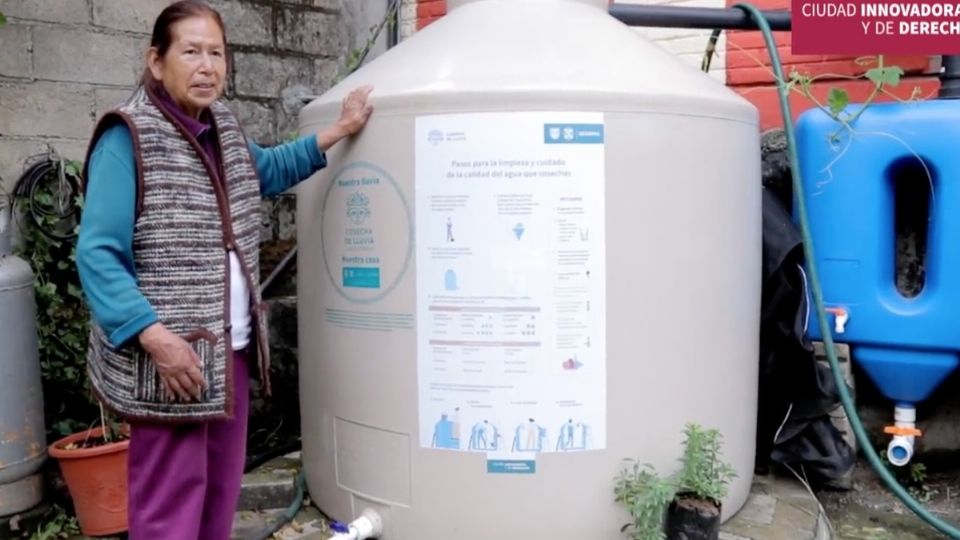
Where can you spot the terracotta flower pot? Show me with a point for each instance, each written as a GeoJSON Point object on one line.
{"type": "Point", "coordinates": [97, 480]}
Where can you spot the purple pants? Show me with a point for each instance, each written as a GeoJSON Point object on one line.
{"type": "Point", "coordinates": [184, 479]}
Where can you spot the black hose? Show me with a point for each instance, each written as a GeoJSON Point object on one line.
{"type": "Point", "coordinates": [58, 217]}
{"type": "Point", "coordinates": [288, 514]}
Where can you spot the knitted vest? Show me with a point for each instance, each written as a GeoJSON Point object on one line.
{"type": "Point", "coordinates": [186, 223]}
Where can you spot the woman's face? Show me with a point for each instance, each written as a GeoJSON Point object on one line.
{"type": "Point", "coordinates": [195, 66]}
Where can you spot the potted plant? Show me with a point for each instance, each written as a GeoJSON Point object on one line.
{"type": "Point", "coordinates": [686, 505]}
{"type": "Point", "coordinates": [646, 496]}
{"type": "Point", "coordinates": [94, 467]}
{"type": "Point", "coordinates": [694, 513]}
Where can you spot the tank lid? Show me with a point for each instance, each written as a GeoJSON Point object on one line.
{"type": "Point", "coordinates": [454, 4]}
{"type": "Point", "coordinates": [533, 51]}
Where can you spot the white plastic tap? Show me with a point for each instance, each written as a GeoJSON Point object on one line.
{"type": "Point", "coordinates": [368, 525]}
{"type": "Point", "coordinates": [840, 318]}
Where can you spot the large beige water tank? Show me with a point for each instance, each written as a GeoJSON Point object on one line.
{"type": "Point", "coordinates": [541, 257]}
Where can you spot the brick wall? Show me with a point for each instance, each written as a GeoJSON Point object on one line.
{"type": "Point", "coordinates": [63, 62]}
{"type": "Point", "coordinates": [750, 74]}
{"type": "Point", "coordinates": [429, 11]}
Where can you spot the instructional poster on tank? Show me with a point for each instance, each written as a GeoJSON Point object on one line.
{"type": "Point", "coordinates": [511, 284]}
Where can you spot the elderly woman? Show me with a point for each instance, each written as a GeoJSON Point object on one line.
{"type": "Point", "coordinates": [168, 259]}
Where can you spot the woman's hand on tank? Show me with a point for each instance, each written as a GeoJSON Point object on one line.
{"type": "Point", "coordinates": [177, 363]}
{"type": "Point", "coordinates": [356, 110]}
{"type": "Point", "coordinates": [354, 114]}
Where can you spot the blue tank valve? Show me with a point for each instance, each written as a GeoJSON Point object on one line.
{"type": "Point", "coordinates": [338, 527]}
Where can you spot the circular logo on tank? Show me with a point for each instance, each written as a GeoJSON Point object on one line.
{"type": "Point", "coordinates": [367, 232]}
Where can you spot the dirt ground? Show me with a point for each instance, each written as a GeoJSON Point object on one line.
{"type": "Point", "coordinates": [870, 511]}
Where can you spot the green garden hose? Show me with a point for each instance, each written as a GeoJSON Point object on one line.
{"type": "Point", "coordinates": [814, 279]}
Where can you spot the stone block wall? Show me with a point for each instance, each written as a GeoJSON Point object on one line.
{"type": "Point", "coordinates": [64, 62]}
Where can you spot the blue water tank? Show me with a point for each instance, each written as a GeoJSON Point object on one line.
{"type": "Point", "coordinates": [888, 185]}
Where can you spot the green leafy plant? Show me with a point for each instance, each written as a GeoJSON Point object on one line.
{"type": "Point", "coordinates": [3, 20]}
{"type": "Point", "coordinates": [60, 525]}
{"type": "Point", "coordinates": [355, 57]}
{"type": "Point", "coordinates": [882, 76]}
{"type": "Point", "coordinates": [704, 474]}
{"type": "Point", "coordinates": [646, 496]}
{"type": "Point", "coordinates": [914, 478]}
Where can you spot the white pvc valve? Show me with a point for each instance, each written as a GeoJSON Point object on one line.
{"type": "Point", "coordinates": [368, 525]}
{"type": "Point", "coordinates": [840, 321]}
{"type": "Point", "coordinates": [905, 414]}
{"type": "Point", "coordinates": [900, 450]}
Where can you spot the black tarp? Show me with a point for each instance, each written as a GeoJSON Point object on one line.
{"type": "Point", "coordinates": [796, 393]}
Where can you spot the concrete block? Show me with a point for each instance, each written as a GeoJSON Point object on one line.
{"type": "Point", "coordinates": [13, 155]}
{"type": "Point", "coordinates": [779, 508]}
{"type": "Point", "coordinates": [258, 120]}
{"type": "Point", "coordinates": [246, 24]}
{"type": "Point", "coordinates": [44, 109]}
{"type": "Point", "coordinates": [268, 231]}
{"type": "Point", "coordinates": [67, 54]}
{"type": "Point", "coordinates": [407, 29]}
{"type": "Point", "coordinates": [287, 218]}
{"type": "Point", "coordinates": [838, 416]}
{"type": "Point", "coordinates": [331, 6]}
{"type": "Point", "coordinates": [408, 11]}
{"type": "Point", "coordinates": [108, 98]}
{"type": "Point", "coordinates": [272, 485]}
{"type": "Point", "coordinates": [17, 154]}
{"type": "Point", "coordinates": [308, 524]}
{"type": "Point", "coordinates": [60, 11]}
{"type": "Point", "coordinates": [262, 75]}
{"type": "Point", "coordinates": [311, 32]}
{"type": "Point", "coordinates": [288, 125]}
{"type": "Point", "coordinates": [130, 15]}
{"type": "Point", "coordinates": [246, 523]}
{"type": "Point", "coordinates": [759, 508]}
{"type": "Point", "coordinates": [16, 42]}
{"type": "Point", "coordinates": [325, 73]}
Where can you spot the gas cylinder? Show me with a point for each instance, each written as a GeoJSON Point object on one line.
{"type": "Point", "coordinates": [22, 430]}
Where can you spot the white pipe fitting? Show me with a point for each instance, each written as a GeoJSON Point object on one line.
{"type": "Point", "coordinates": [368, 525]}
{"type": "Point", "coordinates": [900, 449]}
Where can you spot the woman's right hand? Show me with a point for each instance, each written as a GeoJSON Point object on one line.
{"type": "Point", "coordinates": [176, 362]}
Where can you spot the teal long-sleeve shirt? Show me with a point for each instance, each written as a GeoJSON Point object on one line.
{"type": "Point", "coordinates": [105, 242]}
